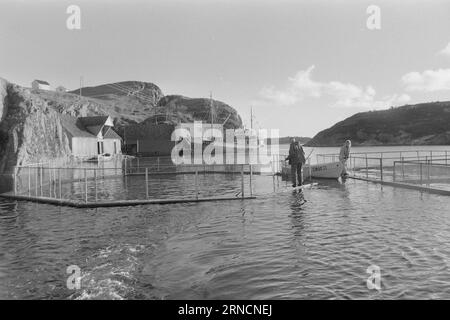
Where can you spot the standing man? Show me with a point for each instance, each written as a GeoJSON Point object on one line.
{"type": "Point", "coordinates": [344, 155]}
{"type": "Point", "coordinates": [296, 159]}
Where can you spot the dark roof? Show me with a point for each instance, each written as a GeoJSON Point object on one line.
{"type": "Point", "coordinates": [75, 126]}
{"type": "Point", "coordinates": [148, 131]}
{"type": "Point", "coordinates": [95, 130]}
{"type": "Point", "coordinates": [93, 121]}
{"type": "Point", "coordinates": [42, 82]}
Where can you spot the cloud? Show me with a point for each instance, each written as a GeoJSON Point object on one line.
{"type": "Point", "coordinates": [427, 81]}
{"type": "Point", "coordinates": [342, 95]}
{"type": "Point", "coordinates": [445, 51]}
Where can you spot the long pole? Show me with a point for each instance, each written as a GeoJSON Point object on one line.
{"type": "Point", "coordinates": [50, 181]}
{"type": "Point", "coordinates": [29, 181]}
{"type": "Point", "coordinates": [36, 179]}
{"type": "Point", "coordinates": [146, 183]}
{"type": "Point", "coordinates": [367, 168]}
{"type": "Point", "coordinates": [251, 186]}
{"type": "Point", "coordinates": [15, 180]}
{"type": "Point", "coordinates": [85, 186]}
{"type": "Point", "coordinates": [196, 184]}
{"type": "Point", "coordinates": [59, 182]}
{"type": "Point", "coordinates": [41, 171]}
{"type": "Point", "coordinates": [420, 170]}
{"type": "Point", "coordinates": [95, 182]}
{"type": "Point", "coordinates": [393, 173]}
{"type": "Point", "coordinates": [381, 168]}
{"type": "Point", "coordinates": [242, 181]}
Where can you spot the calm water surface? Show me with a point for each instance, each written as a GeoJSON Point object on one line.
{"type": "Point", "coordinates": [284, 244]}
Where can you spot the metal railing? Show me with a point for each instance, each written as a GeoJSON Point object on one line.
{"type": "Point", "coordinates": [425, 173]}
{"type": "Point", "coordinates": [382, 165]}
{"type": "Point", "coordinates": [100, 184]}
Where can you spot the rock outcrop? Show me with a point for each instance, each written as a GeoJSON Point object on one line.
{"type": "Point", "coordinates": [184, 109]}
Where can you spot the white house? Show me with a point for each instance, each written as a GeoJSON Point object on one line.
{"type": "Point", "coordinates": [40, 85]}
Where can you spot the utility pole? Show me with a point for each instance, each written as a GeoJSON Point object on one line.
{"type": "Point", "coordinates": [81, 84]}
{"type": "Point", "coordinates": [251, 118]}
{"type": "Point", "coordinates": [212, 108]}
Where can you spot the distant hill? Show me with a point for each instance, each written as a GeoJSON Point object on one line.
{"type": "Point", "coordinates": [287, 140]}
{"type": "Point", "coordinates": [420, 124]}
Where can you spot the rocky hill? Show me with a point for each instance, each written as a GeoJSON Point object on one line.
{"type": "Point", "coordinates": [185, 109]}
{"type": "Point", "coordinates": [420, 124]}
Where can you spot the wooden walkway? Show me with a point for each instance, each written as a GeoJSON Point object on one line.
{"type": "Point", "coordinates": [405, 185]}
{"type": "Point", "coordinates": [116, 203]}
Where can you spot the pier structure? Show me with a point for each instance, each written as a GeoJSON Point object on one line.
{"type": "Point", "coordinates": [84, 184]}
{"type": "Point", "coordinates": [423, 170]}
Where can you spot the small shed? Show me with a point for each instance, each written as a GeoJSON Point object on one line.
{"type": "Point", "coordinates": [40, 85]}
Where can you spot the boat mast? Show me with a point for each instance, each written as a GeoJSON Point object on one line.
{"type": "Point", "coordinates": [211, 109]}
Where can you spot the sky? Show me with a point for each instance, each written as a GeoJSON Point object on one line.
{"type": "Point", "coordinates": [301, 65]}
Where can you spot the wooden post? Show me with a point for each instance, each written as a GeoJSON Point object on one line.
{"type": "Point", "coordinates": [59, 182]}
{"type": "Point", "coordinates": [420, 170]}
{"type": "Point", "coordinates": [146, 183]}
{"type": "Point", "coordinates": [431, 156]}
{"type": "Point", "coordinates": [403, 169]}
{"type": "Point", "coordinates": [381, 168]}
{"type": "Point", "coordinates": [445, 157]}
{"type": "Point", "coordinates": [196, 184]}
{"type": "Point", "coordinates": [367, 168]}
{"type": "Point", "coordinates": [242, 181]}
{"type": "Point", "coordinates": [29, 181]}
{"type": "Point", "coordinates": [36, 180]}
{"type": "Point", "coordinates": [309, 170]}
{"type": "Point", "coordinates": [41, 172]}
{"type": "Point", "coordinates": [158, 164]}
{"type": "Point", "coordinates": [251, 176]}
{"type": "Point", "coordinates": [273, 181]}
{"type": "Point", "coordinates": [50, 181]}
{"type": "Point", "coordinates": [393, 173]}
{"type": "Point", "coordinates": [95, 182]}
{"type": "Point", "coordinates": [85, 186]}
{"type": "Point", "coordinates": [15, 180]}
{"type": "Point", "coordinates": [428, 173]}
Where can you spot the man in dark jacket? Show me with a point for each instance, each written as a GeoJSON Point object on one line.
{"type": "Point", "coordinates": [296, 159]}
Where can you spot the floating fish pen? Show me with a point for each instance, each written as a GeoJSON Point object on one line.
{"type": "Point", "coordinates": [89, 186]}
{"type": "Point", "coordinates": [421, 170]}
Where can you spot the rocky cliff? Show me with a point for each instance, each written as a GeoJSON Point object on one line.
{"type": "Point", "coordinates": [420, 124]}
{"type": "Point", "coordinates": [30, 128]}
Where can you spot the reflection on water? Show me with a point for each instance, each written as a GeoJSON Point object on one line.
{"type": "Point", "coordinates": [312, 244]}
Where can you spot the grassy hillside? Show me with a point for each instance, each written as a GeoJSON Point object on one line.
{"type": "Point", "coordinates": [421, 124]}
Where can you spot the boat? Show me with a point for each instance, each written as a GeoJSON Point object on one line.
{"type": "Point", "coordinates": [100, 157]}
{"type": "Point", "coordinates": [331, 170]}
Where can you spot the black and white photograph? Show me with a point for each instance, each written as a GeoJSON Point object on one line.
{"type": "Point", "coordinates": [224, 150]}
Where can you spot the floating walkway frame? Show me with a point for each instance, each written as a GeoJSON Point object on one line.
{"type": "Point", "coordinates": [116, 203]}
{"type": "Point", "coordinates": [404, 185]}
